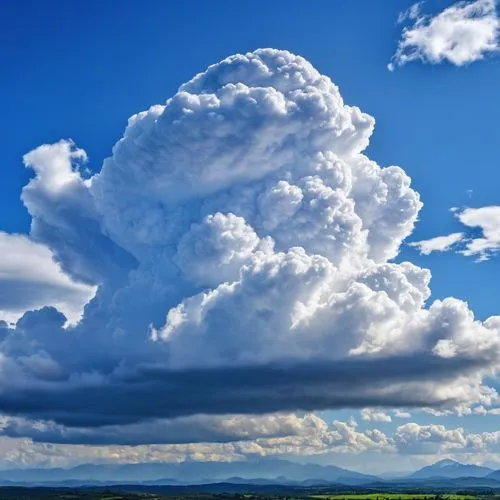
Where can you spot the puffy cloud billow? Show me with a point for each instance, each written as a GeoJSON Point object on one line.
{"type": "Point", "coordinates": [242, 248]}
{"type": "Point", "coordinates": [465, 32]}
{"type": "Point", "coordinates": [232, 439]}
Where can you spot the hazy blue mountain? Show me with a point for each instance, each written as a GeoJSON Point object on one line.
{"type": "Point", "coordinates": [495, 475]}
{"type": "Point", "coordinates": [264, 472]}
{"type": "Point", "coordinates": [190, 473]}
{"type": "Point", "coordinates": [450, 469]}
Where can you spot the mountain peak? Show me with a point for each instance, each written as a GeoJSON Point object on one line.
{"type": "Point", "coordinates": [451, 469]}
{"type": "Point", "coordinates": [447, 462]}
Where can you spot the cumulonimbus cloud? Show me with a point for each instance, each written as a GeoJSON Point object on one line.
{"type": "Point", "coordinates": [242, 247]}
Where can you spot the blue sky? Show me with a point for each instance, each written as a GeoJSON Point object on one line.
{"type": "Point", "coordinates": [79, 70]}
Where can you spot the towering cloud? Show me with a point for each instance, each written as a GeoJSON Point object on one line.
{"type": "Point", "coordinates": [242, 247]}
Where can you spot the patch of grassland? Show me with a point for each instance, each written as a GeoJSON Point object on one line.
{"type": "Point", "coordinates": [394, 496]}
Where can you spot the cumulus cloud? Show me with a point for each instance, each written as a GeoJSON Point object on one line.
{"type": "Point", "coordinates": [469, 243]}
{"type": "Point", "coordinates": [65, 218]}
{"type": "Point", "coordinates": [465, 32]}
{"type": "Point", "coordinates": [487, 219]}
{"type": "Point", "coordinates": [30, 278]}
{"type": "Point", "coordinates": [255, 436]}
{"type": "Point", "coordinates": [481, 410]}
{"type": "Point", "coordinates": [242, 247]}
{"type": "Point", "coordinates": [203, 438]}
{"type": "Point", "coordinates": [434, 439]}
{"type": "Point", "coordinates": [372, 415]}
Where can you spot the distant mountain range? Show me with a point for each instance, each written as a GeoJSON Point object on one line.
{"type": "Point", "coordinates": [451, 469]}
{"type": "Point", "coordinates": [189, 473]}
{"type": "Point", "coordinates": [259, 474]}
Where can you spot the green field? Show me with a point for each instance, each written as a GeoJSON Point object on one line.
{"type": "Point", "coordinates": [394, 496]}
{"type": "Point", "coordinates": [39, 493]}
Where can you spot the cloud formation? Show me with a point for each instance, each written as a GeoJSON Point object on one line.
{"type": "Point", "coordinates": [30, 278]}
{"type": "Point", "coordinates": [373, 415]}
{"type": "Point", "coordinates": [437, 244]}
{"type": "Point", "coordinates": [439, 440]}
{"type": "Point", "coordinates": [242, 247]}
{"type": "Point", "coordinates": [254, 436]}
{"type": "Point", "coordinates": [487, 219]}
{"type": "Point", "coordinates": [401, 414]}
{"type": "Point", "coordinates": [465, 32]}
{"type": "Point", "coordinates": [182, 430]}
{"type": "Point", "coordinates": [469, 243]}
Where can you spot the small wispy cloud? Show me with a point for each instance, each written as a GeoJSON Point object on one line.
{"type": "Point", "coordinates": [437, 244]}
{"type": "Point", "coordinates": [485, 219]}
{"type": "Point", "coordinates": [410, 14]}
{"type": "Point", "coordinates": [461, 34]}
{"type": "Point", "coordinates": [401, 414]}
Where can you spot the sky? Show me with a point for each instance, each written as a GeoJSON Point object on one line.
{"type": "Point", "coordinates": [253, 229]}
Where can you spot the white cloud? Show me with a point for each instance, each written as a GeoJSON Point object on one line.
{"type": "Point", "coordinates": [254, 436]}
{"type": "Point", "coordinates": [412, 438]}
{"type": "Point", "coordinates": [216, 249]}
{"type": "Point", "coordinates": [486, 219]}
{"type": "Point", "coordinates": [437, 244]}
{"type": "Point", "coordinates": [372, 415]}
{"type": "Point", "coordinates": [401, 414]}
{"type": "Point", "coordinates": [437, 413]}
{"type": "Point", "coordinates": [56, 166]}
{"type": "Point", "coordinates": [429, 439]}
{"type": "Point", "coordinates": [481, 410]}
{"type": "Point", "coordinates": [465, 32]}
{"type": "Point", "coordinates": [30, 279]}
{"type": "Point", "coordinates": [228, 438]}
{"type": "Point", "coordinates": [242, 246]}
